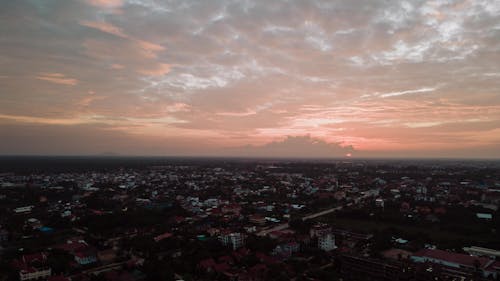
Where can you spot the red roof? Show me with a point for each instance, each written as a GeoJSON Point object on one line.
{"type": "Point", "coordinates": [325, 195]}
{"type": "Point", "coordinates": [460, 259]}
{"type": "Point", "coordinates": [85, 253]}
{"type": "Point", "coordinates": [221, 267]}
{"type": "Point", "coordinates": [25, 263]}
{"type": "Point", "coordinates": [96, 212]}
{"type": "Point", "coordinates": [231, 208]}
{"type": "Point", "coordinates": [256, 217]}
{"type": "Point", "coordinates": [265, 258]}
{"type": "Point", "coordinates": [440, 210]}
{"type": "Point", "coordinates": [73, 246]}
{"type": "Point", "coordinates": [163, 236]}
{"type": "Point", "coordinates": [494, 266]}
{"type": "Point", "coordinates": [226, 259]}
{"type": "Point", "coordinates": [207, 263]}
{"type": "Point", "coordinates": [258, 267]}
{"type": "Point", "coordinates": [179, 219]}
{"type": "Point", "coordinates": [240, 253]}
{"type": "Point", "coordinates": [257, 270]}
{"type": "Point", "coordinates": [40, 257]}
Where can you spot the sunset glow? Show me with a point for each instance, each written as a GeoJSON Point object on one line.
{"type": "Point", "coordinates": [251, 78]}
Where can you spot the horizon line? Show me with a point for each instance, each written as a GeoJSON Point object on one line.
{"type": "Point", "coordinates": [343, 158]}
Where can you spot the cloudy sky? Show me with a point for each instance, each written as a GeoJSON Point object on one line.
{"type": "Point", "coordinates": [250, 78]}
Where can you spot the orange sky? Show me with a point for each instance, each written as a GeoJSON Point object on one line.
{"type": "Point", "coordinates": [251, 78]}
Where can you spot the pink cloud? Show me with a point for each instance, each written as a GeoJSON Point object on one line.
{"type": "Point", "coordinates": [42, 120]}
{"type": "Point", "coordinates": [106, 3]}
{"type": "Point", "coordinates": [57, 78]}
{"type": "Point", "coordinates": [159, 70]}
{"type": "Point", "coordinates": [105, 27]}
{"type": "Point", "coordinates": [149, 49]}
{"type": "Point", "coordinates": [117, 66]}
{"type": "Point", "coordinates": [178, 107]}
{"type": "Point", "coordinates": [145, 48]}
{"type": "Point", "coordinates": [86, 101]}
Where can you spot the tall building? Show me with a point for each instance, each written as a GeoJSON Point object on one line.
{"type": "Point", "coordinates": [326, 242]}
{"type": "Point", "coordinates": [236, 240]}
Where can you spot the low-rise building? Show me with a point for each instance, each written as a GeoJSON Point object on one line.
{"type": "Point", "coordinates": [484, 252]}
{"type": "Point", "coordinates": [85, 257]}
{"type": "Point", "coordinates": [33, 267]}
{"type": "Point", "coordinates": [23, 210]}
{"type": "Point", "coordinates": [487, 267]}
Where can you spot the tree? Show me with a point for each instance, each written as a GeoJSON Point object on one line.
{"type": "Point", "coordinates": [301, 226]}
{"type": "Point", "coordinates": [59, 261]}
{"type": "Point", "coordinates": [260, 244]}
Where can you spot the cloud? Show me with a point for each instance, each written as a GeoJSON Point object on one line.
{"type": "Point", "coordinates": [105, 27]}
{"type": "Point", "coordinates": [117, 66]}
{"type": "Point", "coordinates": [178, 107]}
{"type": "Point", "coordinates": [149, 49]}
{"type": "Point", "coordinates": [57, 78]}
{"type": "Point", "coordinates": [158, 70]}
{"type": "Point", "coordinates": [295, 146]}
{"type": "Point", "coordinates": [88, 100]}
{"type": "Point", "coordinates": [407, 92]}
{"type": "Point", "coordinates": [42, 120]}
{"type": "Point", "coordinates": [134, 50]}
{"type": "Point", "coordinates": [106, 3]}
{"type": "Point", "coordinates": [394, 75]}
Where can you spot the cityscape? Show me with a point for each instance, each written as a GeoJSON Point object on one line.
{"type": "Point", "coordinates": [243, 219]}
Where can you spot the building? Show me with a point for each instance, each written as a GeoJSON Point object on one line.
{"type": "Point", "coordinates": [379, 202]}
{"type": "Point", "coordinates": [326, 239]}
{"type": "Point", "coordinates": [482, 252]}
{"type": "Point", "coordinates": [235, 240]}
{"type": "Point", "coordinates": [360, 268]}
{"type": "Point", "coordinates": [286, 250]}
{"type": "Point", "coordinates": [319, 230]}
{"type": "Point", "coordinates": [257, 219]}
{"type": "Point", "coordinates": [487, 267]}
{"type": "Point", "coordinates": [484, 216]}
{"type": "Point", "coordinates": [34, 273]}
{"type": "Point", "coordinates": [81, 251]}
{"type": "Point", "coordinates": [4, 235]}
{"type": "Point", "coordinates": [232, 208]}
{"type": "Point", "coordinates": [33, 267]}
{"type": "Point", "coordinates": [106, 256]}
{"type": "Point", "coordinates": [23, 210]}
{"type": "Point", "coordinates": [86, 256]}
{"type": "Point", "coordinates": [326, 242]}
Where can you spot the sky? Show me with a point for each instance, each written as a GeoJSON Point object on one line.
{"type": "Point", "coordinates": [360, 78]}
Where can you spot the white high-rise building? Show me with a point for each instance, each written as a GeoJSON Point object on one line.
{"type": "Point", "coordinates": [236, 240]}
{"type": "Point", "coordinates": [326, 242]}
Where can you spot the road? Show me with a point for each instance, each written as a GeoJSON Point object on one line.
{"type": "Point", "coordinates": [278, 227]}
{"type": "Point", "coordinates": [283, 226]}
{"type": "Point", "coordinates": [322, 213]}
{"type": "Point", "coordinates": [107, 267]}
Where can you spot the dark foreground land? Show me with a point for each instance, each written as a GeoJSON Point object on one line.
{"type": "Point", "coordinates": [140, 218]}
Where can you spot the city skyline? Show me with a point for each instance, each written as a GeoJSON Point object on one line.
{"type": "Point", "coordinates": [251, 78]}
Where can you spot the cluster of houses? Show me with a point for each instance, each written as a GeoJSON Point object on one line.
{"type": "Point", "coordinates": [235, 206]}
